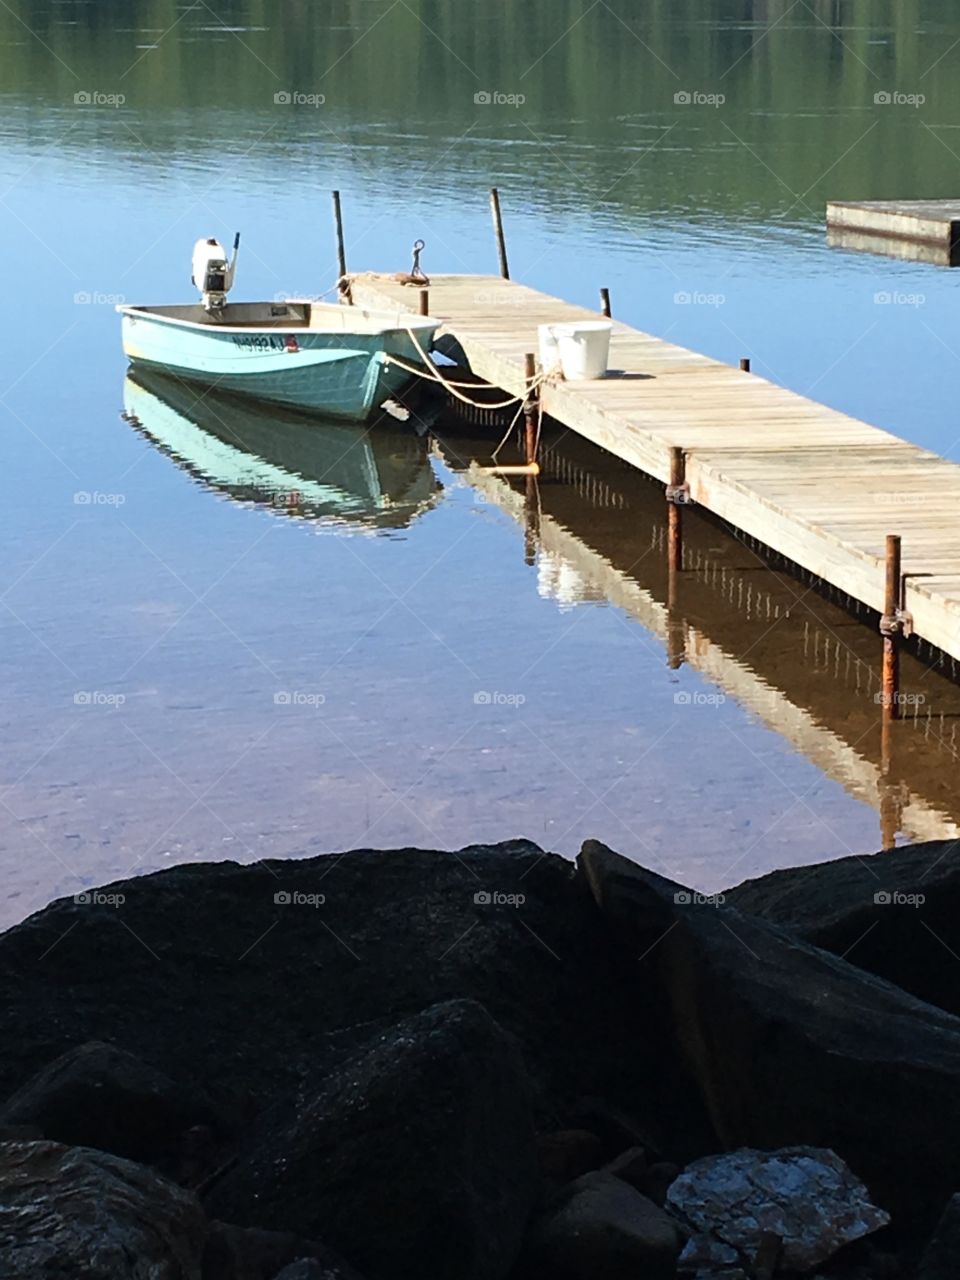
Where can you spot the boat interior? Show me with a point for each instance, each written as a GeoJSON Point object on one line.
{"type": "Point", "coordinates": [295, 315]}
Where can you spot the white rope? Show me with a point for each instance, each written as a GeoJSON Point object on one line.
{"type": "Point", "coordinates": [451, 386]}
{"type": "Point", "coordinates": [434, 375]}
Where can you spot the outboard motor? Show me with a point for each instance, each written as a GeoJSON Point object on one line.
{"type": "Point", "coordinates": [212, 274]}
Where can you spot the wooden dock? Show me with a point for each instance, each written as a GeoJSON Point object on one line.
{"type": "Point", "coordinates": [812, 484]}
{"type": "Point", "coordinates": [922, 230]}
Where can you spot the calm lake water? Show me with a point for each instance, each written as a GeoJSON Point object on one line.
{"type": "Point", "coordinates": [338, 639]}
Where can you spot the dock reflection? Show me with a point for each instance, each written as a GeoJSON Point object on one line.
{"type": "Point", "coordinates": [802, 664]}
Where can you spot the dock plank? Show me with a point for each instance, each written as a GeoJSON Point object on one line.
{"type": "Point", "coordinates": [811, 483]}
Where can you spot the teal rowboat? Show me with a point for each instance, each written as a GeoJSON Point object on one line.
{"type": "Point", "coordinates": [318, 357]}
{"type": "Point", "coordinates": [336, 473]}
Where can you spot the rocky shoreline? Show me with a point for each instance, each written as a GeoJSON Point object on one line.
{"type": "Point", "coordinates": [485, 1065]}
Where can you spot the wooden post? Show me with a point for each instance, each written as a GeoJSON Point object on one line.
{"type": "Point", "coordinates": [605, 303]}
{"type": "Point", "coordinates": [530, 408]}
{"type": "Point", "coordinates": [745, 364]}
{"type": "Point", "coordinates": [891, 627]}
{"type": "Point", "coordinates": [674, 512]}
{"type": "Point", "coordinates": [424, 302]}
{"type": "Point", "coordinates": [498, 230]}
{"type": "Point", "coordinates": [341, 251]}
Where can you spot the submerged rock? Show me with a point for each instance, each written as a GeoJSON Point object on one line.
{"type": "Point", "coordinates": [71, 1212]}
{"type": "Point", "coordinates": [96, 1095]}
{"type": "Point", "coordinates": [604, 1227]}
{"type": "Point", "coordinates": [896, 914]}
{"type": "Point", "coordinates": [793, 1046]}
{"type": "Point", "coordinates": [417, 1158]}
{"type": "Point", "coordinates": [805, 1196]}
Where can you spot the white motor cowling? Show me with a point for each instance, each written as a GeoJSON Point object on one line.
{"type": "Point", "coordinates": [212, 274]}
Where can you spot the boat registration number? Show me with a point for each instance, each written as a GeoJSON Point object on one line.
{"type": "Point", "coordinates": [258, 342]}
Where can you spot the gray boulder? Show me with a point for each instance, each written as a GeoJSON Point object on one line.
{"type": "Point", "coordinates": [67, 1213]}
{"type": "Point", "coordinates": [806, 1197]}
{"type": "Point", "coordinates": [792, 1046]}
{"type": "Point", "coordinates": [416, 1159]}
{"type": "Point", "coordinates": [896, 914]}
{"type": "Point", "coordinates": [604, 1227]}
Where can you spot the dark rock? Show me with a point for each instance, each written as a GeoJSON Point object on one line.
{"type": "Point", "coordinates": [804, 1197]}
{"type": "Point", "coordinates": [630, 1166]}
{"type": "Point", "coordinates": [604, 1228]}
{"type": "Point", "coordinates": [67, 1212]}
{"type": "Point", "coordinates": [20, 1133]}
{"type": "Point", "coordinates": [99, 1096]}
{"type": "Point", "coordinates": [238, 1253]}
{"type": "Point", "coordinates": [306, 1269]}
{"type": "Point", "coordinates": [657, 1180]}
{"type": "Point", "coordinates": [567, 1153]}
{"type": "Point", "coordinates": [417, 1158]}
{"type": "Point", "coordinates": [941, 1258]}
{"type": "Point", "coordinates": [258, 997]}
{"type": "Point", "coordinates": [793, 1046]}
{"type": "Point", "coordinates": [617, 1128]}
{"type": "Point", "coordinates": [895, 914]}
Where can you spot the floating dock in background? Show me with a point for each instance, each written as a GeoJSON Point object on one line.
{"type": "Point", "coordinates": [918, 230]}
{"type": "Point", "coordinates": [816, 486]}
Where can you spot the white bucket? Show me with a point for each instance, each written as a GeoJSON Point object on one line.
{"type": "Point", "coordinates": [580, 349]}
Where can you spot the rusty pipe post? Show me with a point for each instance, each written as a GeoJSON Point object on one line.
{"type": "Point", "coordinates": [605, 303]}
{"type": "Point", "coordinates": [891, 627]}
{"type": "Point", "coordinates": [498, 230]}
{"type": "Point", "coordinates": [424, 302]}
{"type": "Point", "coordinates": [744, 364]}
{"type": "Point", "coordinates": [531, 520]}
{"type": "Point", "coordinates": [530, 408]}
{"type": "Point", "coordinates": [674, 512]}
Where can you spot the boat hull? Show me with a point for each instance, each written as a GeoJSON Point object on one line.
{"type": "Point", "coordinates": [345, 375]}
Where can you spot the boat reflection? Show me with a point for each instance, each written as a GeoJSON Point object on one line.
{"type": "Point", "coordinates": [800, 663]}
{"type": "Point", "coordinates": [376, 478]}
